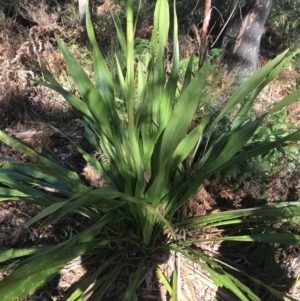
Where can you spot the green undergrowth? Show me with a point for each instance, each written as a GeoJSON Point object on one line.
{"type": "Point", "coordinates": [281, 162]}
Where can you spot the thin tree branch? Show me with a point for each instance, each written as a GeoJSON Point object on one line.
{"type": "Point", "coordinates": [229, 18]}
{"type": "Point", "coordinates": [203, 46]}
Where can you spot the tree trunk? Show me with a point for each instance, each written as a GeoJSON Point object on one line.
{"type": "Point", "coordinates": [82, 14]}
{"type": "Point", "coordinates": [242, 35]}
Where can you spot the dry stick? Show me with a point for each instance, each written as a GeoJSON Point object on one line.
{"type": "Point", "coordinates": [219, 13]}
{"type": "Point", "coordinates": [229, 18]}
{"type": "Point", "coordinates": [203, 46]}
{"type": "Point", "coordinates": [195, 7]}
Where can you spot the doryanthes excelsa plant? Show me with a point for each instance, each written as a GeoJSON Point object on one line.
{"type": "Point", "coordinates": [150, 165]}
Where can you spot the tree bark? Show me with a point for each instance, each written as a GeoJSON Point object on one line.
{"type": "Point", "coordinates": [82, 15]}
{"type": "Point", "coordinates": [242, 35]}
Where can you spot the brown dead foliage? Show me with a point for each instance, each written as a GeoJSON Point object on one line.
{"type": "Point", "coordinates": [202, 203]}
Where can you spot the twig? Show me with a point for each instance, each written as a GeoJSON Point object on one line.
{"type": "Point", "coordinates": [203, 46]}
{"type": "Point", "coordinates": [229, 18]}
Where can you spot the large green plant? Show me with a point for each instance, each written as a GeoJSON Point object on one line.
{"type": "Point", "coordinates": [150, 165]}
